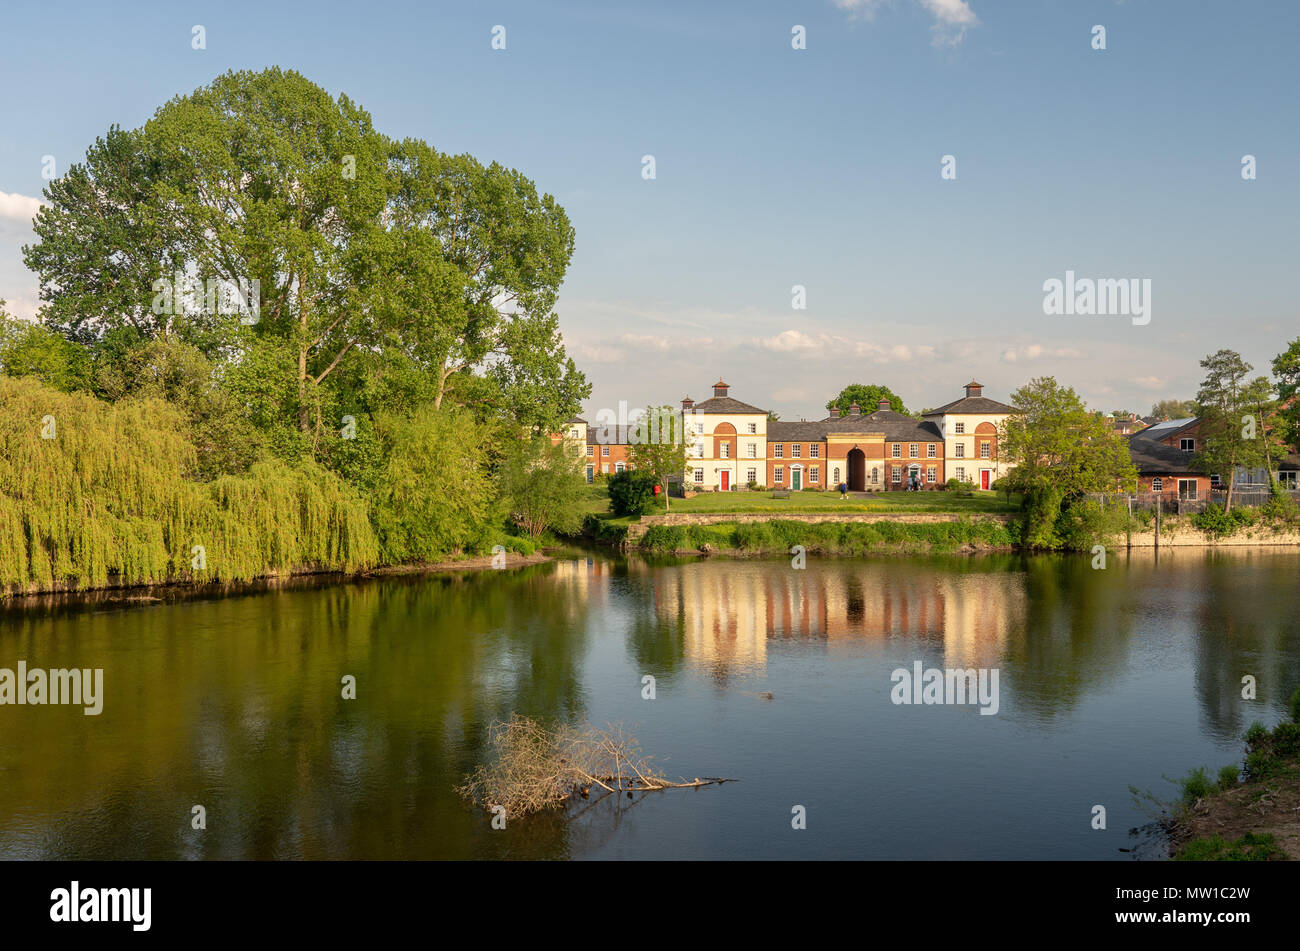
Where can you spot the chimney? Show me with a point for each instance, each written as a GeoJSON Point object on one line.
{"type": "Point", "coordinates": [974, 389]}
{"type": "Point", "coordinates": [688, 402]}
{"type": "Point", "coordinates": [854, 409]}
{"type": "Point", "coordinates": [720, 389]}
{"type": "Point", "coordinates": [882, 406]}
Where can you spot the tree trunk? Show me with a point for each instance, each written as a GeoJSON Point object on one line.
{"type": "Point", "coordinates": [304, 414]}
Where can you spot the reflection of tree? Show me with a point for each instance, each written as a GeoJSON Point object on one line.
{"type": "Point", "coordinates": [1076, 633]}
{"type": "Point", "coordinates": [235, 704]}
{"type": "Point", "coordinates": [1241, 629]}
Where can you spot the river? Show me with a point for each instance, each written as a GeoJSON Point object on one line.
{"type": "Point", "coordinates": [776, 676]}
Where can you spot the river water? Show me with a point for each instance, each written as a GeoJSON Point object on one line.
{"type": "Point", "coordinates": [778, 677]}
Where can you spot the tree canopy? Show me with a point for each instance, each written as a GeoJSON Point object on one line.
{"type": "Point", "coordinates": [363, 271]}
{"type": "Point", "coordinates": [868, 397]}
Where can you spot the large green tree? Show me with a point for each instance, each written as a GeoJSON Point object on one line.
{"type": "Point", "coordinates": [868, 397]}
{"type": "Point", "coordinates": [1060, 452]}
{"type": "Point", "coordinates": [1174, 409]}
{"type": "Point", "coordinates": [384, 272]}
{"type": "Point", "coordinates": [1286, 374]}
{"type": "Point", "coordinates": [1231, 433]}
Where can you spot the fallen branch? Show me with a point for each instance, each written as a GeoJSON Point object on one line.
{"type": "Point", "coordinates": [532, 768]}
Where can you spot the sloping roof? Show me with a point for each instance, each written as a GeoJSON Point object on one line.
{"type": "Point", "coordinates": [575, 419]}
{"type": "Point", "coordinates": [972, 405]}
{"type": "Point", "coordinates": [725, 404]}
{"type": "Point", "coordinates": [1170, 428]}
{"type": "Point", "coordinates": [605, 434]}
{"type": "Point", "coordinates": [896, 427]}
{"type": "Point", "coordinates": [1155, 458]}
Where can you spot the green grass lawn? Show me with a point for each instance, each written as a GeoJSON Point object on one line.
{"type": "Point", "coordinates": [814, 502]}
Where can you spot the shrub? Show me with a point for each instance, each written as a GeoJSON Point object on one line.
{"type": "Point", "coordinates": [1217, 523]}
{"type": "Point", "coordinates": [1196, 785]}
{"type": "Point", "coordinates": [664, 538]}
{"type": "Point", "coordinates": [1228, 775]}
{"type": "Point", "coordinates": [631, 492]}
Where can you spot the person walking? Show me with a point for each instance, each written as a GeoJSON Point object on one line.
{"type": "Point", "coordinates": [844, 491]}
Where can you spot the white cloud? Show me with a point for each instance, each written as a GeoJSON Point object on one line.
{"type": "Point", "coordinates": [952, 18]}
{"type": "Point", "coordinates": [19, 208]}
{"type": "Point", "coordinates": [1037, 352]}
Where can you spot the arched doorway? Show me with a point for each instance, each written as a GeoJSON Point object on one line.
{"type": "Point", "coordinates": [857, 470]}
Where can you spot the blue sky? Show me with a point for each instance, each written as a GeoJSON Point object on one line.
{"type": "Point", "coordinates": [776, 167]}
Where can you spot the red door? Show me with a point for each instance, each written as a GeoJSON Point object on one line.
{"type": "Point", "coordinates": [726, 480]}
{"type": "Point", "coordinates": [984, 479]}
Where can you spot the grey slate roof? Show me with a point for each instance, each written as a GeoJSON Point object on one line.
{"type": "Point", "coordinates": [1155, 458]}
{"type": "Point", "coordinates": [725, 404]}
{"type": "Point", "coordinates": [972, 404]}
{"type": "Point", "coordinates": [897, 427]}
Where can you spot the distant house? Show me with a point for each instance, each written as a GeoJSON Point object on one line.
{"type": "Point", "coordinates": [1164, 454]}
{"type": "Point", "coordinates": [729, 445]}
{"type": "Point", "coordinates": [877, 451]}
{"type": "Point", "coordinates": [970, 435]}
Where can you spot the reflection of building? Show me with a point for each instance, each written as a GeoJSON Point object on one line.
{"type": "Point", "coordinates": [729, 612]}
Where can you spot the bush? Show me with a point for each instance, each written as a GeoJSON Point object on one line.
{"type": "Point", "coordinates": [664, 538]}
{"type": "Point", "coordinates": [1196, 785]}
{"type": "Point", "coordinates": [1228, 775]}
{"type": "Point", "coordinates": [1295, 706]}
{"type": "Point", "coordinates": [1217, 523]}
{"type": "Point", "coordinates": [631, 492]}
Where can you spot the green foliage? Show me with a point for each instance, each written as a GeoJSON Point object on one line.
{"type": "Point", "coordinates": [28, 349]}
{"type": "Point", "coordinates": [388, 274]}
{"type": "Point", "coordinates": [868, 397]}
{"type": "Point", "coordinates": [1228, 776]}
{"type": "Point", "coordinates": [1061, 451]}
{"type": "Point", "coordinates": [1286, 371]}
{"type": "Point", "coordinates": [108, 500]}
{"type": "Point", "coordinates": [433, 496]}
{"type": "Point", "coordinates": [1174, 409]}
{"type": "Point", "coordinates": [1218, 523]}
{"type": "Point", "coordinates": [542, 486]}
{"type": "Point", "coordinates": [664, 538]}
{"type": "Point", "coordinates": [1225, 399]}
{"type": "Point", "coordinates": [1086, 523]}
{"type": "Point", "coordinates": [631, 492]}
{"type": "Point", "coordinates": [1294, 705]}
{"type": "Point", "coordinates": [1196, 785]}
{"type": "Point", "coordinates": [659, 446]}
{"type": "Point", "coordinates": [1251, 847]}
{"type": "Point", "coordinates": [778, 536]}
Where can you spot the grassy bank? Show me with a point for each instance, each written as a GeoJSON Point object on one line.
{"type": "Point", "coordinates": [839, 538]}
{"type": "Point", "coordinates": [1246, 812]}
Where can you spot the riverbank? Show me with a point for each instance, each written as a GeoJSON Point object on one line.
{"type": "Point", "coordinates": [1250, 814]}
{"type": "Point", "coordinates": [841, 534]}
{"type": "Point", "coordinates": [180, 589]}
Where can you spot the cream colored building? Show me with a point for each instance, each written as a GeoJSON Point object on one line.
{"type": "Point", "coordinates": [729, 442]}
{"type": "Point", "coordinates": [970, 428]}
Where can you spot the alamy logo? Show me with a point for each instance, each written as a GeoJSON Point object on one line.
{"type": "Point", "coordinates": [75, 686]}
{"type": "Point", "coordinates": [953, 686]}
{"type": "Point", "coordinates": [103, 904]}
{"type": "Point", "coordinates": [1104, 297]}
